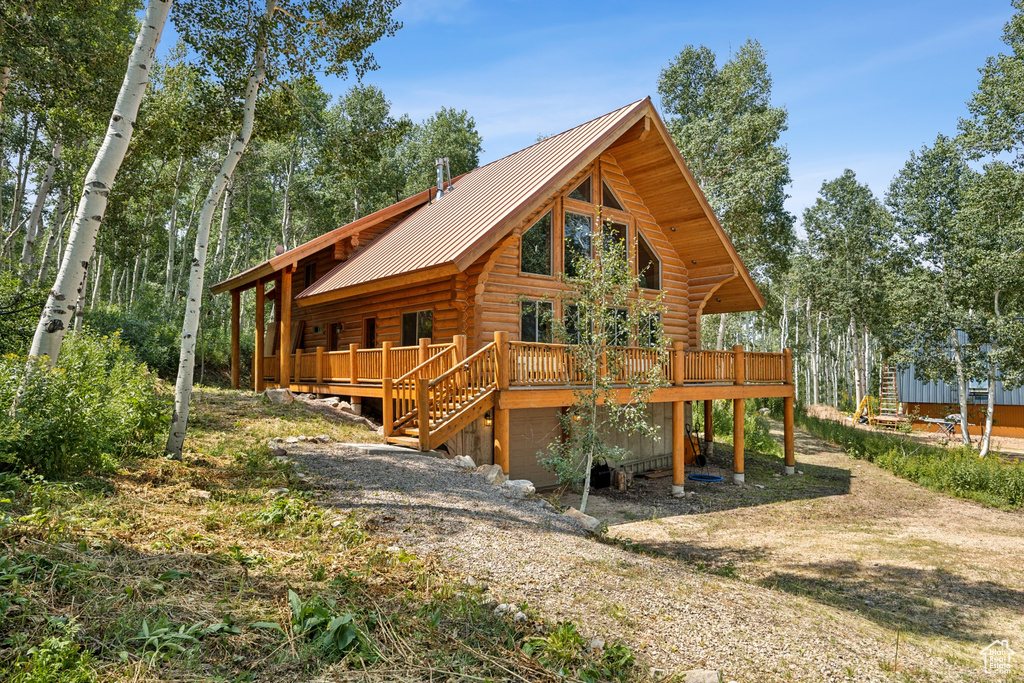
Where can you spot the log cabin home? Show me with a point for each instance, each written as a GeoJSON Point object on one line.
{"type": "Point", "coordinates": [425, 312]}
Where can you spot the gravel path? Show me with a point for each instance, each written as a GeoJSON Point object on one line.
{"type": "Point", "coordinates": [674, 617]}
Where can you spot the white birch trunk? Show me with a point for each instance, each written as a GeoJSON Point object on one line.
{"type": "Point", "coordinates": [817, 357]}
{"type": "Point", "coordinates": [961, 383]}
{"type": "Point", "coordinates": [172, 233]}
{"type": "Point", "coordinates": [28, 247]}
{"type": "Point", "coordinates": [60, 218]}
{"type": "Point", "coordinates": [858, 365]}
{"type": "Point", "coordinates": [5, 80]}
{"type": "Point", "coordinates": [194, 299]}
{"type": "Point", "coordinates": [993, 362]}
{"type": "Point", "coordinates": [225, 221]}
{"type": "Point", "coordinates": [95, 280]}
{"type": "Point", "coordinates": [56, 316]}
{"type": "Point", "coordinates": [720, 342]}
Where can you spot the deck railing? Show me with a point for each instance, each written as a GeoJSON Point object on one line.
{"type": "Point", "coordinates": [404, 389]}
{"type": "Point", "coordinates": [529, 364]}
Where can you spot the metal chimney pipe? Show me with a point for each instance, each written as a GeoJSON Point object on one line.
{"type": "Point", "coordinates": [439, 165]}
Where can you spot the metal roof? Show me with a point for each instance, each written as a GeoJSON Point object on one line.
{"type": "Point", "coordinates": [910, 389]}
{"type": "Point", "coordinates": [446, 229]}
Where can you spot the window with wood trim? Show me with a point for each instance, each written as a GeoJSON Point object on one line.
{"type": "Point", "coordinates": [616, 233]}
{"type": "Point", "coordinates": [618, 330]}
{"type": "Point", "coordinates": [416, 325]}
{"type": "Point", "coordinates": [535, 321]}
{"type": "Point", "coordinates": [535, 248]}
{"type": "Point", "coordinates": [582, 191]}
{"type": "Point", "coordinates": [648, 265]}
{"type": "Point", "coordinates": [578, 242]}
{"type": "Point", "coordinates": [650, 331]}
{"type": "Point", "coordinates": [573, 326]}
{"type": "Point", "coordinates": [609, 199]}
{"type": "Point", "coordinates": [309, 276]}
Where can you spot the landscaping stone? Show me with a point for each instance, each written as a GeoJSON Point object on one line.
{"type": "Point", "coordinates": [596, 645]}
{"type": "Point", "coordinates": [322, 438]}
{"type": "Point", "coordinates": [464, 462]}
{"type": "Point", "coordinates": [519, 488]}
{"type": "Point", "coordinates": [198, 496]}
{"type": "Point", "coordinates": [330, 401]}
{"type": "Point", "coordinates": [492, 474]}
{"type": "Point", "coordinates": [590, 524]}
{"type": "Point", "coordinates": [702, 676]}
{"type": "Point", "coordinates": [520, 617]}
{"type": "Point", "coordinates": [277, 493]}
{"type": "Point", "coordinates": [503, 609]}
{"type": "Point", "coordinates": [292, 439]}
{"type": "Point", "coordinates": [276, 451]}
{"type": "Point", "coordinates": [279, 396]}
{"type": "Point", "coordinates": [281, 459]}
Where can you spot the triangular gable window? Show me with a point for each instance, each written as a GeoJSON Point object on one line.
{"type": "Point", "coordinates": [609, 199]}
{"type": "Point", "coordinates": [582, 191]}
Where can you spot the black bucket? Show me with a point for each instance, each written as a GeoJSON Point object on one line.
{"type": "Point", "coordinates": [600, 476]}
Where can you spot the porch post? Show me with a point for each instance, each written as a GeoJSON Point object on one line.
{"type": "Point", "coordinates": [460, 347]}
{"type": "Point", "coordinates": [385, 359]}
{"type": "Point", "coordinates": [284, 299]}
{"type": "Point", "coordinates": [501, 416]}
{"type": "Point", "coordinates": [737, 419]}
{"type": "Point", "coordinates": [709, 430]}
{"type": "Point", "coordinates": [424, 350]}
{"type": "Point", "coordinates": [261, 330]}
{"type": "Point", "coordinates": [787, 414]}
{"type": "Point", "coordinates": [680, 447]}
{"type": "Point", "coordinates": [236, 346]}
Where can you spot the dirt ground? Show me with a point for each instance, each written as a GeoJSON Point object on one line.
{"type": "Point", "coordinates": [946, 573]}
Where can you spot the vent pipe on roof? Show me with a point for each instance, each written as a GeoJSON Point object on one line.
{"type": "Point", "coordinates": [443, 168]}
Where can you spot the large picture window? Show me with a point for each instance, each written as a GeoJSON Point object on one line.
{"type": "Point", "coordinates": [535, 248]}
{"type": "Point", "coordinates": [647, 264]}
{"type": "Point", "coordinates": [417, 325]}
{"type": "Point", "coordinates": [578, 242]}
{"type": "Point", "coordinates": [535, 321]}
{"type": "Point", "coordinates": [616, 234]}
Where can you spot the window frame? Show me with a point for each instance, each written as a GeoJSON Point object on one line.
{"type": "Point", "coordinates": [590, 176]}
{"type": "Point", "coordinates": [570, 206]}
{"type": "Point", "coordinates": [552, 229]}
{"type": "Point", "coordinates": [536, 304]}
{"type": "Point", "coordinates": [416, 312]}
{"type": "Point", "coordinates": [657, 258]}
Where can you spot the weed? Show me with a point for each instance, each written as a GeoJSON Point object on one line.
{"type": "Point", "coordinates": [565, 651]}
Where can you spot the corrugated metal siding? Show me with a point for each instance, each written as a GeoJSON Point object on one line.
{"type": "Point", "coordinates": [909, 389]}
{"type": "Point", "coordinates": [442, 231]}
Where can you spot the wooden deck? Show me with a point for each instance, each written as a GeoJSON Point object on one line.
{"type": "Point", "coordinates": [430, 392]}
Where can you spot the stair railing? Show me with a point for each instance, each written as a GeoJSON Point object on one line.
{"type": "Point", "coordinates": [405, 393]}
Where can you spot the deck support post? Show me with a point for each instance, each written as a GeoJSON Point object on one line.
{"type": "Point", "coordinates": [320, 364]}
{"type": "Point", "coordinates": [424, 350]}
{"type": "Point", "coordinates": [284, 300]}
{"type": "Point", "coordinates": [353, 363]}
{"type": "Point", "coordinates": [387, 405]}
{"type": "Point", "coordinates": [709, 431]}
{"type": "Point", "coordinates": [385, 359]}
{"type": "Point", "coordinates": [236, 361]}
{"type": "Point", "coordinates": [460, 342]}
{"type": "Point", "coordinates": [261, 329]}
{"type": "Point", "coordinates": [501, 416]}
{"type": "Point", "coordinates": [737, 418]}
{"type": "Point", "coordinates": [787, 414]}
{"type": "Point", "coordinates": [422, 412]}
{"type": "Point", "coordinates": [298, 366]}
{"type": "Point", "coordinates": [680, 447]}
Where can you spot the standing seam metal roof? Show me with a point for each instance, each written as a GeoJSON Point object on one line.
{"type": "Point", "coordinates": [440, 232]}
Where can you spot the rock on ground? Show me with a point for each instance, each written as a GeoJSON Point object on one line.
{"type": "Point", "coordinates": [591, 524]}
{"type": "Point", "coordinates": [492, 474]}
{"type": "Point", "coordinates": [520, 488]}
{"type": "Point", "coordinates": [279, 396]}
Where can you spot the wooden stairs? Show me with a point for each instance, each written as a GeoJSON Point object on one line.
{"type": "Point", "coordinates": [438, 399]}
{"type": "Point", "coordinates": [888, 401]}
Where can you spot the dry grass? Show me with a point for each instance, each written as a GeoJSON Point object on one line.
{"type": "Point", "coordinates": [850, 536]}
{"type": "Point", "coordinates": [201, 549]}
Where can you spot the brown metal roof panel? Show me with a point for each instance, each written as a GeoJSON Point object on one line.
{"type": "Point", "coordinates": [443, 230]}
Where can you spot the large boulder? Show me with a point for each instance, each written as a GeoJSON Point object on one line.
{"type": "Point", "coordinates": [519, 488]}
{"type": "Point", "coordinates": [492, 474]}
{"type": "Point", "coordinates": [590, 524]}
{"type": "Point", "coordinates": [279, 396]}
{"type": "Point", "coordinates": [464, 462]}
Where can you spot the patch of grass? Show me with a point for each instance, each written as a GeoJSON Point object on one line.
{"type": "Point", "coordinates": [135, 576]}
{"type": "Point", "coordinates": [960, 472]}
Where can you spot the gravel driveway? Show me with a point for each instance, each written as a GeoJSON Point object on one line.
{"type": "Point", "coordinates": [674, 617]}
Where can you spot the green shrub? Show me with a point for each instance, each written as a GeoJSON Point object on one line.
{"type": "Point", "coordinates": [959, 471]}
{"type": "Point", "coordinates": [98, 402]}
{"type": "Point", "coordinates": [756, 428]}
{"type": "Point", "coordinates": [19, 312]}
{"type": "Point", "coordinates": [565, 651]}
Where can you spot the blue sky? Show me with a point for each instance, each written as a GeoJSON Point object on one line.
{"type": "Point", "coordinates": [864, 83]}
